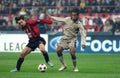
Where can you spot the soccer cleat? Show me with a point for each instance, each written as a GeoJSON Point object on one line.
{"type": "Point", "coordinates": [14, 70]}
{"type": "Point", "coordinates": [50, 63]}
{"type": "Point", "coordinates": [62, 68]}
{"type": "Point", "coordinates": [76, 69]}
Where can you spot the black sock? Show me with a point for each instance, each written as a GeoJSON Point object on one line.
{"type": "Point", "coordinates": [46, 57]}
{"type": "Point", "coordinates": [19, 63]}
{"type": "Point", "coordinates": [74, 60]}
{"type": "Point", "coordinates": [60, 55]}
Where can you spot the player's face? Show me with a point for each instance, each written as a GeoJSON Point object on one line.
{"type": "Point", "coordinates": [74, 16]}
{"type": "Point", "coordinates": [22, 22]}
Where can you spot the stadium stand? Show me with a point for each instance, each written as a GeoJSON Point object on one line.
{"type": "Point", "coordinates": [94, 14]}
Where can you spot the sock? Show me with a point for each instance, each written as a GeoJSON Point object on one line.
{"type": "Point", "coordinates": [60, 55]}
{"type": "Point", "coordinates": [46, 57]}
{"type": "Point", "coordinates": [74, 60]}
{"type": "Point", "coordinates": [19, 63]}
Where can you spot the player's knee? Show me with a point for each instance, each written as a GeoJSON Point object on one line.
{"type": "Point", "coordinates": [22, 55]}
{"type": "Point", "coordinates": [73, 56]}
{"type": "Point", "coordinates": [42, 48]}
{"type": "Point", "coordinates": [59, 49]}
{"type": "Point", "coordinates": [72, 51]}
{"type": "Point", "coordinates": [59, 52]}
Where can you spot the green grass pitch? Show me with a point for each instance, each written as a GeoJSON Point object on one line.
{"type": "Point", "coordinates": [90, 66]}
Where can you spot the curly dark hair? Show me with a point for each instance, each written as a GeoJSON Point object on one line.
{"type": "Point", "coordinates": [76, 10]}
{"type": "Point", "coordinates": [19, 18]}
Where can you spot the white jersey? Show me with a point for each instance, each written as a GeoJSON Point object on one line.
{"type": "Point", "coordinates": [71, 28]}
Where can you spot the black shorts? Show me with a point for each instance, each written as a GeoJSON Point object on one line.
{"type": "Point", "coordinates": [34, 42]}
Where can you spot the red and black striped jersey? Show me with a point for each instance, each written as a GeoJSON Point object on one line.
{"type": "Point", "coordinates": [31, 27]}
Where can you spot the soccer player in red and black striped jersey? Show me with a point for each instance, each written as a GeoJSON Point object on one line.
{"type": "Point", "coordinates": [35, 40]}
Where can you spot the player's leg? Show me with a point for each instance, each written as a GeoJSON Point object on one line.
{"type": "Point", "coordinates": [60, 56]}
{"type": "Point", "coordinates": [45, 54]}
{"type": "Point", "coordinates": [24, 52]}
{"type": "Point", "coordinates": [72, 46]}
{"type": "Point", "coordinates": [73, 57]}
{"type": "Point", "coordinates": [61, 46]}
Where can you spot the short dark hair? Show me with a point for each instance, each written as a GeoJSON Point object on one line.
{"type": "Point", "coordinates": [76, 10]}
{"type": "Point", "coordinates": [19, 18]}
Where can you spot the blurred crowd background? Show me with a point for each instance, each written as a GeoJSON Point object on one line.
{"type": "Point", "coordinates": [95, 15]}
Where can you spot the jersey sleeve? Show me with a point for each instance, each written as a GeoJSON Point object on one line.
{"type": "Point", "coordinates": [40, 21]}
{"type": "Point", "coordinates": [44, 21]}
{"type": "Point", "coordinates": [83, 33]}
{"type": "Point", "coordinates": [59, 19]}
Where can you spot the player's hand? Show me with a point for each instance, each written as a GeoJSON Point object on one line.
{"type": "Point", "coordinates": [83, 46]}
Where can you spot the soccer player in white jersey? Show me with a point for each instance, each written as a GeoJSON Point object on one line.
{"type": "Point", "coordinates": [71, 27]}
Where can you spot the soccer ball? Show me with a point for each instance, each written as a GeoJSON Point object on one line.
{"type": "Point", "coordinates": [42, 67]}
